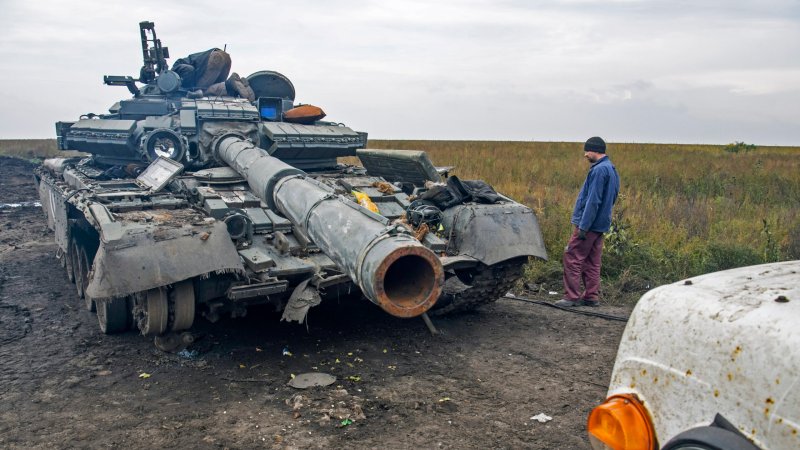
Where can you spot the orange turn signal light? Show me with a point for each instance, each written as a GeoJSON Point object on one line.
{"type": "Point", "coordinates": [621, 423]}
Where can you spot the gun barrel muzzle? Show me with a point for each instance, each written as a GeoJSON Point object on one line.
{"type": "Point", "coordinates": [402, 277]}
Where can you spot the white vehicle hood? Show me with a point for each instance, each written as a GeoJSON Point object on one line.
{"type": "Point", "coordinates": [726, 342]}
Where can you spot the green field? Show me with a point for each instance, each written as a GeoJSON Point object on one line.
{"type": "Point", "coordinates": [683, 209]}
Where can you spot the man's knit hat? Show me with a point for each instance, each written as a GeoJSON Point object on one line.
{"type": "Point", "coordinates": [595, 144]}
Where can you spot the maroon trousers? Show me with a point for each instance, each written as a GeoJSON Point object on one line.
{"type": "Point", "coordinates": [582, 263]}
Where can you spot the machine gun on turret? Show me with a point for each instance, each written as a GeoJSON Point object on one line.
{"type": "Point", "coordinates": [154, 56]}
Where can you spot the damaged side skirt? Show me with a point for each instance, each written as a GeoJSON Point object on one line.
{"type": "Point", "coordinates": [138, 260]}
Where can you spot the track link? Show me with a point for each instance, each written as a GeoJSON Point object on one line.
{"type": "Point", "coordinates": [487, 285]}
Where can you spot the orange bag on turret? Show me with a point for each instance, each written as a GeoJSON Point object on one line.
{"type": "Point", "coordinates": [305, 114]}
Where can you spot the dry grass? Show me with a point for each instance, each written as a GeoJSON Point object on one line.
{"type": "Point", "coordinates": [32, 149]}
{"type": "Point", "coordinates": [683, 209]}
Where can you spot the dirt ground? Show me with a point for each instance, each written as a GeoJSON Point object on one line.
{"type": "Point", "coordinates": [63, 384]}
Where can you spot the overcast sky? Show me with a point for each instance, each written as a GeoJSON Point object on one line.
{"type": "Point", "coordinates": [628, 70]}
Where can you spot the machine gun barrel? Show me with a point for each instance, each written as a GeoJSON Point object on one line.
{"type": "Point", "coordinates": [391, 267]}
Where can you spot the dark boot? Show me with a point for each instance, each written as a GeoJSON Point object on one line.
{"type": "Point", "coordinates": [241, 86]}
{"type": "Point", "coordinates": [216, 90]}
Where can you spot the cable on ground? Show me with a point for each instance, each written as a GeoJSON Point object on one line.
{"type": "Point", "coordinates": [511, 296]}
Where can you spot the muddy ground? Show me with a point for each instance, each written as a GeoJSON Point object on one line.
{"type": "Point", "coordinates": [63, 384]}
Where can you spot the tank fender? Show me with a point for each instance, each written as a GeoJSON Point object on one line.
{"type": "Point", "coordinates": [492, 233]}
{"type": "Point", "coordinates": [52, 200]}
{"type": "Point", "coordinates": [134, 259]}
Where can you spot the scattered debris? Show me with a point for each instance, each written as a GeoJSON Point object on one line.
{"type": "Point", "coordinates": [429, 324]}
{"type": "Point", "coordinates": [542, 418]}
{"type": "Point", "coordinates": [243, 380]}
{"type": "Point", "coordinates": [420, 233]}
{"type": "Point", "coordinates": [297, 402]}
{"type": "Point", "coordinates": [144, 375]}
{"type": "Point", "coordinates": [303, 298]}
{"type": "Point", "coordinates": [188, 354]}
{"type": "Point", "coordinates": [364, 200]}
{"type": "Point", "coordinates": [384, 187]}
{"type": "Point", "coordinates": [311, 379]}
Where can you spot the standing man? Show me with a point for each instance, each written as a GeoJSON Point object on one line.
{"type": "Point", "coordinates": [592, 218]}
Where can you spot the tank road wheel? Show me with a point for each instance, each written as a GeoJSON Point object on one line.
{"type": "Point", "coordinates": [163, 312]}
{"type": "Point", "coordinates": [182, 305]}
{"type": "Point", "coordinates": [151, 311]}
{"type": "Point", "coordinates": [86, 266]}
{"type": "Point", "coordinates": [181, 312]}
{"type": "Point", "coordinates": [75, 256]}
{"type": "Point", "coordinates": [113, 315]}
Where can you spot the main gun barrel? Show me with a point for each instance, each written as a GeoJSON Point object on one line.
{"type": "Point", "coordinates": [391, 267]}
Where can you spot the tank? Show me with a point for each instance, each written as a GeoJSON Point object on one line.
{"type": "Point", "coordinates": [187, 205]}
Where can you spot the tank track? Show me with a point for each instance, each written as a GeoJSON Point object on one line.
{"type": "Point", "coordinates": [487, 285]}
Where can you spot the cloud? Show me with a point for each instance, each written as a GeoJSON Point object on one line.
{"type": "Point", "coordinates": [679, 71]}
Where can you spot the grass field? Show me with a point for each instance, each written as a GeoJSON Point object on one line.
{"type": "Point", "coordinates": [683, 209]}
{"type": "Point", "coordinates": [33, 149]}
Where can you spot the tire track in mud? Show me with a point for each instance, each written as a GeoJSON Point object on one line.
{"type": "Point", "coordinates": [15, 320]}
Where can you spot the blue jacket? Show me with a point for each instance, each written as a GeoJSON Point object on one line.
{"type": "Point", "coordinates": [597, 197]}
